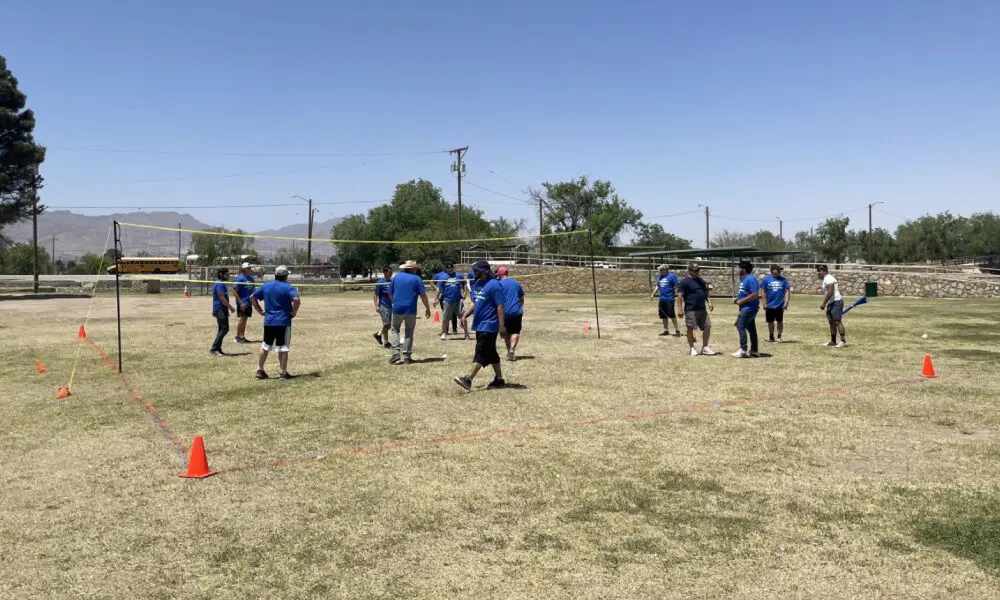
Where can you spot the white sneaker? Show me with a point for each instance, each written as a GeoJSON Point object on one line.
{"type": "Point", "coordinates": [740, 354]}
{"type": "Point", "coordinates": [694, 352]}
{"type": "Point", "coordinates": [779, 340]}
{"type": "Point", "coordinates": [709, 352]}
{"type": "Point", "coordinates": [829, 344]}
{"type": "Point", "coordinates": [841, 344]}
{"type": "Point", "coordinates": [444, 337]}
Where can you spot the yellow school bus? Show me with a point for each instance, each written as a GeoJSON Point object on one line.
{"type": "Point", "coordinates": [146, 264]}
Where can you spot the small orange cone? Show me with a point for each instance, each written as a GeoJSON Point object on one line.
{"type": "Point", "coordinates": [928, 370]}
{"type": "Point", "coordinates": [586, 329]}
{"type": "Point", "coordinates": [198, 461]}
{"type": "Point", "coordinates": [41, 367]}
{"type": "Point", "coordinates": [187, 294]}
{"type": "Point", "coordinates": [437, 317]}
{"type": "Point", "coordinates": [63, 393]}
{"type": "Point", "coordinates": [81, 334]}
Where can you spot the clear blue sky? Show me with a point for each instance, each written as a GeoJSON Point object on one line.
{"type": "Point", "coordinates": [758, 109]}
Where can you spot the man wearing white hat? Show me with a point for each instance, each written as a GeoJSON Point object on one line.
{"type": "Point", "coordinates": [281, 305]}
{"type": "Point", "coordinates": [241, 293]}
{"type": "Point", "coordinates": [405, 288]}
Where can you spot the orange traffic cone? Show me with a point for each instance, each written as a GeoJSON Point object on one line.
{"type": "Point", "coordinates": [198, 461]}
{"type": "Point", "coordinates": [81, 334]}
{"type": "Point", "coordinates": [586, 329]}
{"type": "Point", "coordinates": [437, 317]}
{"type": "Point", "coordinates": [63, 393]}
{"type": "Point", "coordinates": [187, 294]}
{"type": "Point", "coordinates": [928, 370]}
{"type": "Point", "coordinates": [41, 367]}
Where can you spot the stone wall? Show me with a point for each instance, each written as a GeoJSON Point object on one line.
{"type": "Point", "coordinates": [804, 281]}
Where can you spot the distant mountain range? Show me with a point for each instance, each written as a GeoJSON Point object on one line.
{"type": "Point", "coordinates": [75, 234]}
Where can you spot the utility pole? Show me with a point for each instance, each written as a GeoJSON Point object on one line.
{"type": "Point", "coordinates": [179, 257]}
{"type": "Point", "coordinates": [541, 229]}
{"type": "Point", "coordinates": [458, 168]}
{"type": "Point", "coordinates": [53, 253]}
{"type": "Point", "coordinates": [781, 228]}
{"type": "Point", "coordinates": [34, 227]}
{"type": "Point", "coordinates": [870, 205]}
{"type": "Point", "coordinates": [707, 243]}
{"type": "Point", "coordinates": [309, 243]}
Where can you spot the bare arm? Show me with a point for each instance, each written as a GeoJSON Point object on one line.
{"type": "Point", "coordinates": [503, 325]}
{"type": "Point", "coordinates": [828, 297]}
{"type": "Point", "coordinates": [427, 306]}
{"type": "Point", "coordinates": [296, 303]}
{"type": "Point", "coordinates": [225, 301]}
{"type": "Point", "coordinates": [256, 305]}
{"type": "Point", "coordinates": [680, 305]}
{"type": "Point", "coordinates": [788, 297]}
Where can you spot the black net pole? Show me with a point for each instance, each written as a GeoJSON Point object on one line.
{"type": "Point", "coordinates": [593, 276]}
{"type": "Point", "coordinates": [118, 296]}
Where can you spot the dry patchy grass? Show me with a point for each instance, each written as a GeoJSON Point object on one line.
{"type": "Point", "coordinates": [621, 468]}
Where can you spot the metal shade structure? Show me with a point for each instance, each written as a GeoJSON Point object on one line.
{"type": "Point", "coordinates": [731, 253]}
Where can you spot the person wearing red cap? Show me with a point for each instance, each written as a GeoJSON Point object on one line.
{"type": "Point", "coordinates": [513, 310]}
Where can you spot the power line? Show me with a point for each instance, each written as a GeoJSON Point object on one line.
{"type": "Point", "coordinates": [498, 176]}
{"type": "Point", "coordinates": [217, 205]}
{"type": "Point", "coordinates": [501, 194]}
{"type": "Point", "coordinates": [244, 154]}
{"type": "Point", "coordinates": [887, 213]}
{"type": "Point", "coordinates": [687, 212]}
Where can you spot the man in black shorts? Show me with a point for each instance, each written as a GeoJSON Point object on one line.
{"type": "Point", "coordinates": [775, 293]}
{"type": "Point", "coordinates": [281, 305]}
{"type": "Point", "coordinates": [488, 323]}
{"type": "Point", "coordinates": [694, 304]}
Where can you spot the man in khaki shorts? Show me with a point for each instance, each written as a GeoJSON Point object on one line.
{"type": "Point", "coordinates": [693, 305]}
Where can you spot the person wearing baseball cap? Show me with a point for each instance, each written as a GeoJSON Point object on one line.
{"type": "Point", "coordinates": [513, 310]}
{"type": "Point", "coordinates": [666, 289]}
{"type": "Point", "coordinates": [281, 305]}
{"type": "Point", "coordinates": [694, 305]}
{"type": "Point", "coordinates": [241, 294]}
{"type": "Point", "coordinates": [777, 293]}
{"type": "Point", "coordinates": [221, 309]}
{"type": "Point", "coordinates": [488, 323]}
{"type": "Point", "coordinates": [405, 287]}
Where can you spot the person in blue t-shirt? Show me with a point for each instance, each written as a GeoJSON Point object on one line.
{"type": "Point", "coordinates": [241, 294]}
{"type": "Point", "coordinates": [450, 291]}
{"type": "Point", "coordinates": [748, 300]}
{"type": "Point", "coordinates": [405, 287]}
{"type": "Point", "coordinates": [666, 290]}
{"type": "Point", "coordinates": [383, 306]}
{"type": "Point", "coordinates": [281, 305]}
{"type": "Point", "coordinates": [777, 293]}
{"type": "Point", "coordinates": [489, 322]}
{"type": "Point", "coordinates": [513, 311]}
{"type": "Point", "coordinates": [221, 308]}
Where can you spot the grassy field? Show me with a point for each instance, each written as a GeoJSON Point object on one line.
{"type": "Point", "coordinates": [619, 468]}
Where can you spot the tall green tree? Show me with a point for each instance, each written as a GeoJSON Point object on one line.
{"type": "Point", "coordinates": [767, 240]}
{"type": "Point", "coordinates": [653, 235]}
{"type": "Point", "coordinates": [832, 239]}
{"type": "Point", "coordinates": [730, 239]}
{"type": "Point", "coordinates": [210, 247]}
{"type": "Point", "coordinates": [418, 213]}
{"type": "Point", "coordinates": [19, 259]}
{"type": "Point", "coordinates": [877, 247]}
{"type": "Point", "coordinates": [20, 156]}
{"type": "Point", "coordinates": [935, 238]}
{"type": "Point", "coordinates": [579, 205]}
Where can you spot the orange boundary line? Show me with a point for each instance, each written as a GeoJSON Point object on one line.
{"type": "Point", "coordinates": [496, 433]}
{"type": "Point", "coordinates": [151, 412]}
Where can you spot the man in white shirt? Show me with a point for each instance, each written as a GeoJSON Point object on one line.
{"type": "Point", "coordinates": [833, 304]}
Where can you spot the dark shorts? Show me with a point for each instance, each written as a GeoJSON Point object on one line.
{"type": "Point", "coordinates": [486, 349]}
{"type": "Point", "coordinates": [697, 319]}
{"type": "Point", "coordinates": [774, 315]}
{"type": "Point", "coordinates": [246, 311]}
{"type": "Point", "coordinates": [278, 337]}
{"type": "Point", "coordinates": [667, 309]}
{"type": "Point", "coordinates": [835, 310]}
{"type": "Point", "coordinates": [513, 324]}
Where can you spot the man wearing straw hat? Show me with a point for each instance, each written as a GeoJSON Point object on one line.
{"type": "Point", "coordinates": [405, 287]}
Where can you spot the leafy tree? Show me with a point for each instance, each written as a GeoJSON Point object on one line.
{"type": "Point", "coordinates": [20, 156]}
{"type": "Point", "coordinates": [418, 211]}
{"type": "Point", "coordinates": [288, 256]}
{"type": "Point", "coordinates": [19, 259]}
{"type": "Point", "coordinates": [653, 235]}
{"type": "Point", "coordinates": [210, 248]}
{"type": "Point", "coordinates": [877, 247]}
{"type": "Point", "coordinates": [766, 240]}
{"type": "Point", "coordinates": [938, 238]}
{"type": "Point", "coordinates": [984, 235]}
{"type": "Point", "coordinates": [804, 242]}
{"type": "Point", "coordinates": [730, 239]}
{"type": "Point", "coordinates": [579, 205]}
{"type": "Point", "coordinates": [89, 264]}
{"type": "Point", "coordinates": [832, 240]}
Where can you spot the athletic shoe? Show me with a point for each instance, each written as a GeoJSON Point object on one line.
{"type": "Point", "coordinates": [770, 340]}
{"type": "Point", "coordinates": [387, 346]}
{"type": "Point", "coordinates": [740, 354]}
{"type": "Point", "coordinates": [755, 355]}
{"type": "Point", "coordinates": [218, 353]}
{"type": "Point", "coordinates": [468, 338]}
{"type": "Point", "coordinates": [694, 352]}
{"type": "Point", "coordinates": [677, 334]}
{"type": "Point", "coordinates": [261, 374]}
{"type": "Point", "coordinates": [238, 340]}
{"type": "Point", "coordinates": [709, 352]}
{"type": "Point", "coordinates": [665, 333]}
{"type": "Point", "coordinates": [395, 358]}
{"type": "Point", "coordinates": [286, 375]}
{"type": "Point", "coordinates": [842, 344]}
{"type": "Point", "coordinates": [510, 356]}
{"type": "Point", "coordinates": [465, 382]}
{"type": "Point", "coordinates": [406, 361]}
{"type": "Point", "coordinates": [779, 340]}
{"type": "Point", "coordinates": [496, 384]}
{"type": "Point", "coordinates": [378, 338]}
{"type": "Point", "coordinates": [830, 344]}
{"type": "Point", "coordinates": [444, 337]}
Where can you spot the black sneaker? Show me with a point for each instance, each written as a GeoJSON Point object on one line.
{"type": "Point", "coordinates": [217, 353]}
{"type": "Point", "coordinates": [465, 382]}
{"type": "Point", "coordinates": [496, 384]}
{"type": "Point", "coordinates": [394, 359]}
{"type": "Point", "coordinates": [665, 333]}
{"type": "Point", "coordinates": [261, 374]}
{"type": "Point", "coordinates": [286, 375]}
{"type": "Point", "coordinates": [378, 338]}
{"type": "Point", "coordinates": [677, 334]}
{"type": "Point", "coordinates": [387, 346]}
{"type": "Point", "coordinates": [406, 361]}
